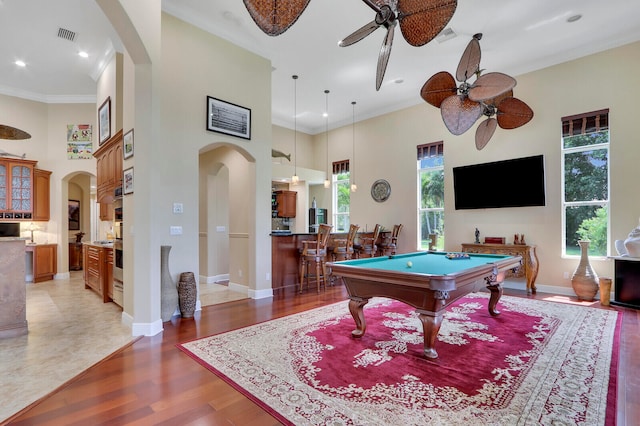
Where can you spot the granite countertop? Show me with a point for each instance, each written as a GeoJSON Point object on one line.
{"type": "Point", "coordinates": [105, 243]}
{"type": "Point", "coordinates": [13, 238]}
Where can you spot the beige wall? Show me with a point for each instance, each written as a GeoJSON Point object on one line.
{"type": "Point", "coordinates": [386, 149]}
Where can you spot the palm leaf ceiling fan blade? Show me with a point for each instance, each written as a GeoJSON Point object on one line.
{"type": "Point", "coordinates": [438, 88]}
{"type": "Point", "coordinates": [358, 34]}
{"type": "Point", "coordinates": [491, 85]}
{"type": "Point", "coordinates": [11, 133]}
{"type": "Point", "coordinates": [513, 113]}
{"type": "Point", "coordinates": [383, 57]}
{"type": "Point", "coordinates": [484, 132]}
{"type": "Point", "coordinates": [470, 61]}
{"type": "Point", "coordinates": [421, 21]}
{"type": "Point", "coordinates": [274, 17]}
{"type": "Point", "coordinates": [459, 113]}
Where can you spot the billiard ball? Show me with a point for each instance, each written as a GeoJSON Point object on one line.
{"type": "Point", "coordinates": [409, 264]}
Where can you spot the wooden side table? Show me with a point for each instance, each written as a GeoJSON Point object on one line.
{"type": "Point", "coordinates": [529, 267]}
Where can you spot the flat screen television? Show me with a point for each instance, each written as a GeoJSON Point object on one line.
{"type": "Point", "coordinates": [517, 182]}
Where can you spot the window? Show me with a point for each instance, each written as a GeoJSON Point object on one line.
{"type": "Point", "coordinates": [585, 181]}
{"type": "Point", "coordinates": [431, 195]}
{"type": "Point", "coordinates": [341, 196]}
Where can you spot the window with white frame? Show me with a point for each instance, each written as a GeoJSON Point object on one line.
{"type": "Point", "coordinates": [431, 196]}
{"type": "Point", "coordinates": [341, 196]}
{"type": "Point", "coordinates": [585, 182]}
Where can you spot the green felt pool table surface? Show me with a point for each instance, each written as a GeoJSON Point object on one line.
{"type": "Point", "coordinates": [435, 263]}
{"type": "Point", "coordinates": [428, 281]}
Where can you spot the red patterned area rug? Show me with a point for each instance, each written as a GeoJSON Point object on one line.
{"type": "Point", "coordinates": [537, 363]}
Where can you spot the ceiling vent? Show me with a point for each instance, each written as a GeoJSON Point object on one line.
{"type": "Point", "coordinates": [66, 34]}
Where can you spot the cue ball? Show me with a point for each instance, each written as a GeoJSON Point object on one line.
{"type": "Point", "coordinates": [409, 264]}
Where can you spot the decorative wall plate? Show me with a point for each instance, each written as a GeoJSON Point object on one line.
{"type": "Point", "coordinates": [380, 190]}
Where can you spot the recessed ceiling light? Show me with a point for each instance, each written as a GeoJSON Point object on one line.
{"type": "Point", "coordinates": [83, 54]}
{"type": "Point", "coordinates": [398, 81]}
{"type": "Point", "coordinates": [324, 114]}
{"type": "Point", "coordinates": [574, 18]}
{"type": "Point", "coordinates": [20, 63]}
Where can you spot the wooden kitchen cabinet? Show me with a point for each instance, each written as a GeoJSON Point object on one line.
{"type": "Point", "coordinates": [98, 272]}
{"type": "Point", "coordinates": [42, 197]}
{"type": "Point", "coordinates": [109, 168]}
{"type": "Point", "coordinates": [286, 203]}
{"type": "Point", "coordinates": [44, 261]}
{"type": "Point", "coordinates": [24, 191]}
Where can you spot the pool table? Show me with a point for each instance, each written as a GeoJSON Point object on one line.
{"type": "Point", "coordinates": [428, 281]}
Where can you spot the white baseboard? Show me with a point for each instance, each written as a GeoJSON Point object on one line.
{"type": "Point", "coordinates": [213, 279]}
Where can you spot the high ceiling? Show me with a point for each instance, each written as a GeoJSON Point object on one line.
{"type": "Point", "coordinates": [518, 37]}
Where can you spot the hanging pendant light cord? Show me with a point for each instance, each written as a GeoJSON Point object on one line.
{"type": "Point", "coordinates": [327, 182]}
{"type": "Point", "coordinates": [353, 130]}
{"type": "Point", "coordinates": [295, 125]}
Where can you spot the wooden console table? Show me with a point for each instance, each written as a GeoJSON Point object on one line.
{"type": "Point", "coordinates": [529, 267]}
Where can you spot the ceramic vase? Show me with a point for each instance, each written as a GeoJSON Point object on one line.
{"type": "Point", "coordinates": [168, 291]}
{"type": "Point", "coordinates": [187, 294]}
{"type": "Point", "coordinates": [632, 243]}
{"type": "Point", "coordinates": [605, 291]}
{"type": "Point", "coordinates": [584, 280]}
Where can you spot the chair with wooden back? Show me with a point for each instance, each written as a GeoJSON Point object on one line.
{"type": "Point", "coordinates": [390, 243]}
{"type": "Point", "coordinates": [368, 247]}
{"type": "Point", "coordinates": [343, 249]}
{"type": "Point", "coordinates": [315, 251]}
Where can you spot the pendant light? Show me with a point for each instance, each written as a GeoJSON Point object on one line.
{"type": "Point", "coordinates": [327, 182]}
{"type": "Point", "coordinates": [295, 178]}
{"type": "Point", "coordinates": [354, 187]}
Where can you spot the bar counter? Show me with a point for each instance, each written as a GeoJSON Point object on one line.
{"type": "Point", "coordinates": [285, 254]}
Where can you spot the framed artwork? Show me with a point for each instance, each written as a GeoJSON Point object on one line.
{"type": "Point", "coordinates": [128, 144]}
{"type": "Point", "coordinates": [74, 215]}
{"type": "Point", "coordinates": [228, 118]}
{"type": "Point", "coordinates": [127, 179]}
{"type": "Point", "coordinates": [104, 121]}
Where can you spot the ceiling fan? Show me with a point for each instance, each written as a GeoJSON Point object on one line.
{"type": "Point", "coordinates": [274, 17]}
{"type": "Point", "coordinates": [8, 132]}
{"type": "Point", "coordinates": [420, 22]}
{"type": "Point", "coordinates": [490, 95]}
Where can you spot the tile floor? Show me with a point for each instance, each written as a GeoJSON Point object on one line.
{"type": "Point", "coordinates": [70, 329]}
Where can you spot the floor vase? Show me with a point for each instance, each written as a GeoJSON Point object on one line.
{"type": "Point", "coordinates": [168, 291]}
{"type": "Point", "coordinates": [187, 294]}
{"type": "Point", "coordinates": [584, 280]}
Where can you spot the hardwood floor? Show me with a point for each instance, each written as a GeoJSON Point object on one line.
{"type": "Point", "coordinates": [152, 382]}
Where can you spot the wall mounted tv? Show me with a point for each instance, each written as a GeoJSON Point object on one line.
{"type": "Point", "coordinates": [518, 182]}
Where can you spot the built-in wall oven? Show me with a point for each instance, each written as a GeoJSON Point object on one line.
{"type": "Point", "coordinates": [118, 281]}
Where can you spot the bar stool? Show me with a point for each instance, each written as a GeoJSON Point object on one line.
{"type": "Point", "coordinates": [368, 248]}
{"type": "Point", "coordinates": [343, 249]}
{"type": "Point", "coordinates": [315, 251]}
{"type": "Point", "coordinates": [390, 243]}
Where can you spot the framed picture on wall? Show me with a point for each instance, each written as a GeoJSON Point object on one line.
{"type": "Point", "coordinates": [74, 215]}
{"type": "Point", "coordinates": [127, 140]}
{"type": "Point", "coordinates": [127, 180]}
{"type": "Point", "coordinates": [104, 121]}
{"type": "Point", "coordinates": [228, 118]}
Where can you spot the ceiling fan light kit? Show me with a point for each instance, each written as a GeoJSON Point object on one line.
{"type": "Point", "coordinates": [490, 94]}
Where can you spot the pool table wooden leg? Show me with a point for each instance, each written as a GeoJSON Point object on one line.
{"type": "Point", "coordinates": [493, 284]}
{"type": "Point", "coordinates": [356, 305]}
{"type": "Point", "coordinates": [430, 327]}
